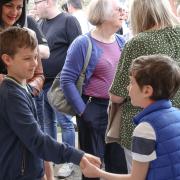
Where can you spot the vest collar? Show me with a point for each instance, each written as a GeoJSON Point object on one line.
{"type": "Point", "coordinates": [156, 106]}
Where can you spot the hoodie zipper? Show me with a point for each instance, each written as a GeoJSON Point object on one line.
{"type": "Point", "coordinates": [23, 164]}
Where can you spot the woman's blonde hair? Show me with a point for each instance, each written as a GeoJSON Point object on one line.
{"type": "Point", "coordinates": [99, 11]}
{"type": "Point", "coordinates": [146, 14]}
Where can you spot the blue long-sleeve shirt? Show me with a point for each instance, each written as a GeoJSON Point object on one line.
{"type": "Point", "coordinates": [73, 66]}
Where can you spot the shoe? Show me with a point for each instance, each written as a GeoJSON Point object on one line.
{"type": "Point", "coordinates": [65, 170]}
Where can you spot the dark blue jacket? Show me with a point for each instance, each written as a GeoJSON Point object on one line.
{"type": "Point", "coordinates": [74, 63]}
{"type": "Point", "coordinates": [23, 146]}
{"type": "Point", "coordinates": [165, 120]}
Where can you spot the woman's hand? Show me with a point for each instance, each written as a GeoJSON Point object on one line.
{"type": "Point", "coordinates": [116, 99]}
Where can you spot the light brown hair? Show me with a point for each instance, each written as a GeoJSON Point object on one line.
{"type": "Point", "coordinates": [13, 38]}
{"type": "Point", "coordinates": [146, 14]}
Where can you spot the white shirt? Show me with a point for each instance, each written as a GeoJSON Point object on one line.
{"type": "Point", "coordinates": [143, 144]}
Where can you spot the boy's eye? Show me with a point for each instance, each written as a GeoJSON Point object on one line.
{"type": "Point", "coordinates": [27, 59]}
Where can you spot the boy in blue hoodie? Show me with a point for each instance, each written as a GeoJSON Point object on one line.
{"type": "Point", "coordinates": [23, 145]}
{"type": "Point", "coordinates": [154, 80]}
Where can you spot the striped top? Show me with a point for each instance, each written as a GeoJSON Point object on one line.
{"type": "Point", "coordinates": [143, 143]}
{"type": "Point", "coordinates": [103, 74]}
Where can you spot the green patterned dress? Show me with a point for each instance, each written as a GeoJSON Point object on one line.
{"type": "Point", "coordinates": [165, 41]}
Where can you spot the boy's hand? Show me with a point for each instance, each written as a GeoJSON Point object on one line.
{"type": "Point", "coordinates": [88, 168]}
{"type": "Point", "coordinates": [91, 159]}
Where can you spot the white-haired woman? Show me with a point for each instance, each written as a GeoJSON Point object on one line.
{"type": "Point", "coordinates": [91, 108]}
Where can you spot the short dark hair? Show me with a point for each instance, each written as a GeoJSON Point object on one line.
{"type": "Point", "coordinates": [75, 3]}
{"type": "Point", "coordinates": [64, 7]}
{"type": "Point", "coordinates": [159, 71]}
{"type": "Point", "coordinates": [22, 19]}
{"type": "Point", "coordinates": [13, 38]}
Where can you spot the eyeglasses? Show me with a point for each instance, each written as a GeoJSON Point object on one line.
{"type": "Point", "coordinates": [37, 2]}
{"type": "Point", "coordinates": [120, 9]}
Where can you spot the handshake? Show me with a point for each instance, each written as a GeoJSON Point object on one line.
{"type": "Point", "coordinates": [90, 166]}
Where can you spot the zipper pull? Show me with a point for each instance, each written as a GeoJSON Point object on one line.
{"type": "Point", "coordinates": [89, 100]}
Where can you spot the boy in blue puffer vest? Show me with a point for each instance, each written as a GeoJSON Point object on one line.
{"type": "Point", "coordinates": [154, 80]}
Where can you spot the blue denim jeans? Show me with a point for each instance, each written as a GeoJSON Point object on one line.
{"type": "Point", "coordinates": [67, 128]}
{"type": "Point", "coordinates": [50, 121]}
{"type": "Point", "coordinates": [49, 116]}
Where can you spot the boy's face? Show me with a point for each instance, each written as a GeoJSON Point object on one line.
{"type": "Point", "coordinates": [22, 65]}
{"type": "Point", "coordinates": [139, 97]}
{"type": "Point", "coordinates": [11, 12]}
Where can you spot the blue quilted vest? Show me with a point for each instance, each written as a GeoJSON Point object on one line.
{"type": "Point", "coordinates": [165, 120]}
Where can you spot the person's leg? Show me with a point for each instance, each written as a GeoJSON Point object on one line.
{"type": "Point", "coordinates": [39, 100]}
{"type": "Point", "coordinates": [49, 175]}
{"type": "Point", "coordinates": [50, 129]}
{"type": "Point", "coordinates": [86, 141]}
{"type": "Point", "coordinates": [49, 117]}
{"type": "Point", "coordinates": [91, 129]}
{"type": "Point", "coordinates": [68, 136]}
{"type": "Point", "coordinates": [67, 128]}
{"type": "Point", "coordinates": [114, 159]}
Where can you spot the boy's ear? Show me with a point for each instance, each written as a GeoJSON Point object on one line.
{"type": "Point", "coordinates": [6, 59]}
{"type": "Point", "coordinates": [148, 91]}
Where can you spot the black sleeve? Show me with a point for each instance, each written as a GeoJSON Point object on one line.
{"type": "Point", "coordinates": [32, 24]}
{"type": "Point", "coordinates": [73, 28]}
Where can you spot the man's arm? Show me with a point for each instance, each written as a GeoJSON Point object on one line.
{"type": "Point", "coordinates": [42, 42]}
{"type": "Point", "coordinates": [73, 28]}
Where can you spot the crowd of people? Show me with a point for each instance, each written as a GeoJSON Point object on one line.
{"type": "Point", "coordinates": [133, 71]}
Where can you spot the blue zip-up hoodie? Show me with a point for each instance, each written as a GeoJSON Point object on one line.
{"type": "Point", "coordinates": [72, 68]}
{"type": "Point", "coordinates": [165, 120]}
{"type": "Point", "coordinates": [23, 146]}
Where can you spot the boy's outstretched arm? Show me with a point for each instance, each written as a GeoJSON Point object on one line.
{"type": "Point", "coordinates": [139, 172]}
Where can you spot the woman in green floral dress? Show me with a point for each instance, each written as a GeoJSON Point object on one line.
{"type": "Point", "coordinates": [156, 30]}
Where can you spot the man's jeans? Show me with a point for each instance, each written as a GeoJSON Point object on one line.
{"type": "Point", "coordinates": [67, 128]}
{"type": "Point", "coordinates": [49, 116]}
{"type": "Point", "coordinates": [65, 122]}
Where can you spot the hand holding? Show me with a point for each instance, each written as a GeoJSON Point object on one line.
{"type": "Point", "coordinates": [92, 159]}
{"type": "Point", "coordinates": [88, 169]}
